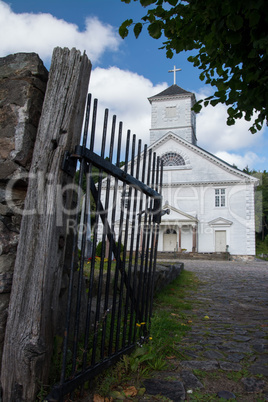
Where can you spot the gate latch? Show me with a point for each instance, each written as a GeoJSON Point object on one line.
{"type": "Point", "coordinates": [164, 212]}
{"type": "Point", "coordinates": [157, 217]}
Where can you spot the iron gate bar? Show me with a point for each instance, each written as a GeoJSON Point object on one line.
{"type": "Point", "coordinates": [144, 239]}
{"type": "Point", "coordinates": [124, 278]}
{"type": "Point", "coordinates": [104, 326]}
{"type": "Point", "coordinates": [98, 214]}
{"type": "Point", "coordinates": [97, 312]}
{"type": "Point", "coordinates": [130, 306]}
{"type": "Point", "coordinates": [115, 248]}
{"type": "Point", "coordinates": [82, 172]}
{"type": "Point", "coordinates": [159, 185]}
{"type": "Point", "coordinates": [149, 232]}
{"type": "Point", "coordinates": [153, 251]}
{"type": "Point", "coordinates": [129, 204]}
{"type": "Point", "coordinates": [147, 271]}
{"type": "Point", "coordinates": [133, 225]}
{"type": "Point", "coordinates": [91, 278]}
{"type": "Point", "coordinates": [90, 156]}
{"type": "Point", "coordinates": [75, 239]}
{"type": "Point", "coordinates": [80, 378]}
{"type": "Point", "coordinates": [138, 240]}
{"type": "Point", "coordinates": [112, 231]}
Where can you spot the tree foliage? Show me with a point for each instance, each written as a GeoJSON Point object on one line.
{"type": "Point", "coordinates": [261, 203]}
{"type": "Point", "coordinates": [230, 39]}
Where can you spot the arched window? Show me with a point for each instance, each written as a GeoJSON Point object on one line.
{"type": "Point", "coordinates": [170, 231]}
{"type": "Point", "coordinates": [172, 159]}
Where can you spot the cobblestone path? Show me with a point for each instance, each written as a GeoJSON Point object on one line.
{"type": "Point", "coordinates": [226, 350]}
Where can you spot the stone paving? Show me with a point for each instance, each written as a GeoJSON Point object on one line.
{"type": "Point", "coordinates": [226, 351]}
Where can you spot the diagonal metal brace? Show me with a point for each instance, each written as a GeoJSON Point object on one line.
{"type": "Point", "coordinates": [110, 236]}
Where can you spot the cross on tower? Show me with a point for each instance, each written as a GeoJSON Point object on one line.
{"type": "Point", "coordinates": [174, 71]}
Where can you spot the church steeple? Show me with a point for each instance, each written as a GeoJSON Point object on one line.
{"type": "Point", "coordinates": [171, 111]}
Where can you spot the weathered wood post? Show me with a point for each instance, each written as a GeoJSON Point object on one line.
{"type": "Point", "coordinates": [38, 269]}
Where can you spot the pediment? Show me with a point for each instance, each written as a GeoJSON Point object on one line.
{"type": "Point", "coordinates": [220, 222]}
{"type": "Point", "coordinates": [177, 215]}
{"type": "Point", "coordinates": [205, 167]}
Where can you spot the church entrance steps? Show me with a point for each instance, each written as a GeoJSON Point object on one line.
{"type": "Point", "coordinates": [193, 256]}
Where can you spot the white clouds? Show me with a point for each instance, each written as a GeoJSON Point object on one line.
{"type": "Point", "coordinates": [125, 94]}
{"type": "Point", "coordinates": [249, 159]}
{"type": "Point", "coordinates": [40, 33]}
{"type": "Point", "coordinates": [214, 135]}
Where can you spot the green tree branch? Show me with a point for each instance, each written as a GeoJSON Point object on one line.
{"type": "Point", "coordinates": [231, 40]}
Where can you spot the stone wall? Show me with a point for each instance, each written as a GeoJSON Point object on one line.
{"type": "Point", "coordinates": [169, 256]}
{"type": "Point", "coordinates": [165, 274]}
{"type": "Point", "coordinates": [23, 80]}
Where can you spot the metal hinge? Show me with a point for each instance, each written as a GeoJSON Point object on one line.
{"type": "Point", "coordinates": [69, 163]}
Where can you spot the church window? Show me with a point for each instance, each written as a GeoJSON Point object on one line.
{"type": "Point", "coordinates": [220, 197]}
{"type": "Point", "coordinates": [170, 231]}
{"type": "Point", "coordinates": [173, 159]}
{"type": "Point", "coordinates": [125, 199]}
{"type": "Point", "coordinates": [171, 112]}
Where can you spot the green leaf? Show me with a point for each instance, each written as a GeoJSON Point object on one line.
{"type": "Point", "coordinates": [254, 18]}
{"type": "Point", "coordinates": [230, 111]}
{"type": "Point", "coordinates": [229, 45]}
{"type": "Point", "coordinates": [234, 22]}
{"type": "Point", "coordinates": [233, 38]}
{"type": "Point", "coordinates": [123, 29]}
{"type": "Point", "coordinates": [230, 121]}
{"type": "Point", "coordinates": [155, 29]}
{"type": "Point", "coordinates": [172, 2]}
{"type": "Point", "coordinates": [137, 29]}
{"type": "Point", "coordinates": [169, 54]}
{"type": "Point", "coordinates": [202, 76]}
{"type": "Point", "coordinates": [146, 3]}
{"type": "Point", "coordinates": [253, 130]}
{"type": "Point", "coordinates": [214, 102]}
{"type": "Point", "coordinates": [197, 107]}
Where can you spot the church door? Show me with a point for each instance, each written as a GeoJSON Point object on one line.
{"type": "Point", "coordinates": [220, 241]}
{"type": "Point", "coordinates": [170, 240]}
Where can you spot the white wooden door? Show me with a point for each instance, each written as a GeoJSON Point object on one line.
{"type": "Point", "coordinates": [170, 242]}
{"type": "Point", "coordinates": [220, 240]}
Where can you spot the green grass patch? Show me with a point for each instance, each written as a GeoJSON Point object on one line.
{"type": "Point", "coordinates": [169, 324]}
{"type": "Point", "coordinates": [173, 295]}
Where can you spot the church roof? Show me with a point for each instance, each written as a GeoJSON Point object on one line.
{"type": "Point", "coordinates": [204, 153]}
{"type": "Point", "coordinates": [171, 91]}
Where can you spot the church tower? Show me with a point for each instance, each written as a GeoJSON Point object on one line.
{"type": "Point", "coordinates": [171, 111]}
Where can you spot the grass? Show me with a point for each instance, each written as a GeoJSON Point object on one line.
{"type": "Point", "coordinates": [87, 266]}
{"type": "Point", "coordinates": [237, 375]}
{"type": "Point", "coordinates": [169, 324]}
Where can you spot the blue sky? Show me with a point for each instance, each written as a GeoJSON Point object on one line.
{"type": "Point", "coordinates": [125, 72]}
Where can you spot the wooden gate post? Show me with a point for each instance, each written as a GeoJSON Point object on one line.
{"type": "Point", "coordinates": [38, 269]}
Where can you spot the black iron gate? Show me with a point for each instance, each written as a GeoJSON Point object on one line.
{"type": "Point", "coordinates": [111, 288]}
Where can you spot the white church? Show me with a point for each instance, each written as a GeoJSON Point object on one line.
{"type": "Point", "coordinates": [211, 203]}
